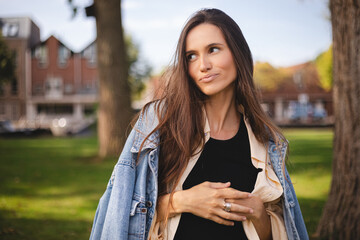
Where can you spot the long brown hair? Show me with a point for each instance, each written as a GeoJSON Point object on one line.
{"type": "Point", "coordinates": [180, 106]}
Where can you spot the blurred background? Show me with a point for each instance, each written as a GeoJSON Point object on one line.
{"type": "Point", "coordinates": [51, 172]}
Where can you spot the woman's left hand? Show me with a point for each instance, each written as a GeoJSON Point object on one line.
{"type": "Point", "coordinates": [253, 202]}
{"type": "Point", "coordinates": [258, 216]}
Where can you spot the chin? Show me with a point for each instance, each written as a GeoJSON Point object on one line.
{"type": "Point", "coordinates": [211, 92]}
{"type": "Point", "coordinates": [208, 93]}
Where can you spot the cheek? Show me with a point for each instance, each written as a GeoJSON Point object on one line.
{"type": "Point", "coordinates": [191, 71]}
{"type": "Point", "coordinates": [230, 66]}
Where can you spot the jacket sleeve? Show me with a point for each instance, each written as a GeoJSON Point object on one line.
{"type": "Point", "coordinates": [294, 222]}
{"type": "Point", "coordinates": [293, 216]}
{"type": "Point", "coordinates": [112, 216]}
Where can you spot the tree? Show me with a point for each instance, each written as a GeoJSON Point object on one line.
{"type": "Point", "coordinates": [324, 66]}
{"type": "Point", "coordinates": [114, 113]}
{"type": "Point", "coordinates": [7, 63]}
{"type": "Point", "coordinates": [139, 69]}
{"type": "Point", "coordinates": [268, 77]}
{"type": "Point", "coordinates": [121, 74]}
{"type": "Point", "coordinates": [341, 214]}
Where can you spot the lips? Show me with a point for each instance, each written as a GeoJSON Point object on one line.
{"type": "Point", "coordinates": [208, 78]}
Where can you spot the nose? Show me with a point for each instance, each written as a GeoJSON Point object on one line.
{"type": "Point", "coordinates": [205, 63]}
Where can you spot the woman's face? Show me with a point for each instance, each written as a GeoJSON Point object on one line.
{"type": "Point", "coordinates": [210, 61]}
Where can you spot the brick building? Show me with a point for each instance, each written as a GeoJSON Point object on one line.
{"type": "Point", "coordinates": [64, 83]}
{"type": "Point", "coordinates": [20, 34]}
{"type": "Point", "coordinates": [299, 99]}
{"type": "Point", "coordinates": [53, 83]}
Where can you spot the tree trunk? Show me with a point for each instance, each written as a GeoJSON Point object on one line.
{"type": "Point", "coordinates": [114, 113]}
{"type": "Point", "coordinates": [341, 215]}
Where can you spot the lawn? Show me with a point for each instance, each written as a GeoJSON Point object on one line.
{"type": "Point", "coordinates": [309, 165]}
{"type": "Point", "coordinates": [50, 187]}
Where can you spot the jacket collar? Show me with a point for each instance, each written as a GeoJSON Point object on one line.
{"type": "Point", "coordinates": [146, 123]}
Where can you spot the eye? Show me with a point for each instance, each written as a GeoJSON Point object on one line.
{"type": "Point", "coordinates": [191, 57]}
{"type": "Point", "coordinates": [214, 49]}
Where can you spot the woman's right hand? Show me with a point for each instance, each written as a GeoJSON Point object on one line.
{"type": "Point", "coordinates": [207, 199]}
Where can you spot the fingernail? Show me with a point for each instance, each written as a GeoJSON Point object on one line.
{"type": "Point", "coordinates": [244, 218]}
{"type": "Point", "coordinates": [251, 211]}
{"type": "Point", "coordinates": [250, 195]}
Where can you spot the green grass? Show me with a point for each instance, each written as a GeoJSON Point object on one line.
{"type": "Point", "coordinates": [309, 165]}
{"type": "Point", "coordinates": [50, 187]}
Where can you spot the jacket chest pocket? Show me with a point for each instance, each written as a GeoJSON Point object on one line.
{"type": "Point", "coordinates": [137, 222]}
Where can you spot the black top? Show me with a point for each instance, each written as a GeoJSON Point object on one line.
{"type": "Point", "coordinates": [220, 161]}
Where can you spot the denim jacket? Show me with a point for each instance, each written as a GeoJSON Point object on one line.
{"type": "Point", "coordinates": [127, 208]}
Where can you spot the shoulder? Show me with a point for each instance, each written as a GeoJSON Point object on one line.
{"type": "Point", "coordinates": [145, 127]}
{"type": "Point", "coordinates": [278, 147]}
{"type": "Point", "coordinates": [148, 117]}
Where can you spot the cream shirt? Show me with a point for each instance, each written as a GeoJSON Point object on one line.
{"type": "Point", "coordinates": [267, 187]}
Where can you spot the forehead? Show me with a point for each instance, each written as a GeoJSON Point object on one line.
{"type": "Point", "coordinates": [203, 35]}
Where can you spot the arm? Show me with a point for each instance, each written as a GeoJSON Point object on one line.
{"type": "Point", "coordinates": [163, 204]}
{"type": "Point", "coordinates": [116, 201]}
{"type": "Point", "coordinates": [259, 217]}
{"type": "Point", "coordinates": [263, 225]}
{"type": "Point", "coordinates": [205, 200]}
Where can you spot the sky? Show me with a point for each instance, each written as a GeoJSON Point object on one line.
{"type": "Point", "coordinates": [281, 32]}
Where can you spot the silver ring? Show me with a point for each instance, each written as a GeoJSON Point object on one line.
{"type": "Point", "coordinates": [227, 207]}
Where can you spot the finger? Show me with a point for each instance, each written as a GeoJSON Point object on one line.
{"type": "Point", "coordinates": [232, 193]}
{"type": "Point", "coordinates": [222, 221]}
{"type": "Point", "coordinates": [219, 185]}
{"type": "Point", "coordinates": [230, 215]}
{"type": "Point", "coordinates": [236, 208]}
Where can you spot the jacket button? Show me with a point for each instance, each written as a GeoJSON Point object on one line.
{"type": "Point", "coordinates": [148, 204]}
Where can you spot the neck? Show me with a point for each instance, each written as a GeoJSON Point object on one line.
{"type": "Point", "coordinates": [222, 115]}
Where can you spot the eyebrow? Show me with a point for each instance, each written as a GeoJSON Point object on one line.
{"type": "Point", "coordinates": [215, 44]}
{"type": "Point", "coordinates": [208, 46]}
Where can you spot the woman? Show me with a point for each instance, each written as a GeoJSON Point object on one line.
{"type": "Point", "coordinates": [204, 161]}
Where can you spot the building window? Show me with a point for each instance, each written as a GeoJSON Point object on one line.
{"type": "Point", "coordinates": [68, 89]}
{"type": "Point", "coordinates": [38, 89]}
{"type": "Point", "coordinates": [54, 87]}
{"type": "Point", "coordinates": [14, 87]}
{"type": "Point", "coordinates": [89, 110]}
{"type": "Point", "coordinates": [2, 108]}
{"type": "Point", "coordinates": [41, 53]}
{"type": "Point", "coordinates": [63, 55]}
{"type": "Point", "coordinates": [88, 88]}
{"type": "Point", "coordinates": [90, 54]}
{"type": "Point", "coordinates": [54, 109]}
{"type": "Point", "coordinates": [14, 111]}
{"type": "Point", "coordinates": [10, 29]}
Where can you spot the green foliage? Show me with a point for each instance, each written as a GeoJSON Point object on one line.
{"type": "Point", "coordinates": [7, 63]}
{"type": "Point", "coordinates": [139, 70]}
{"type": "Point", "coordinates": [268, 77]}
{"type": "Point", "coordinates": [324, 65]}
